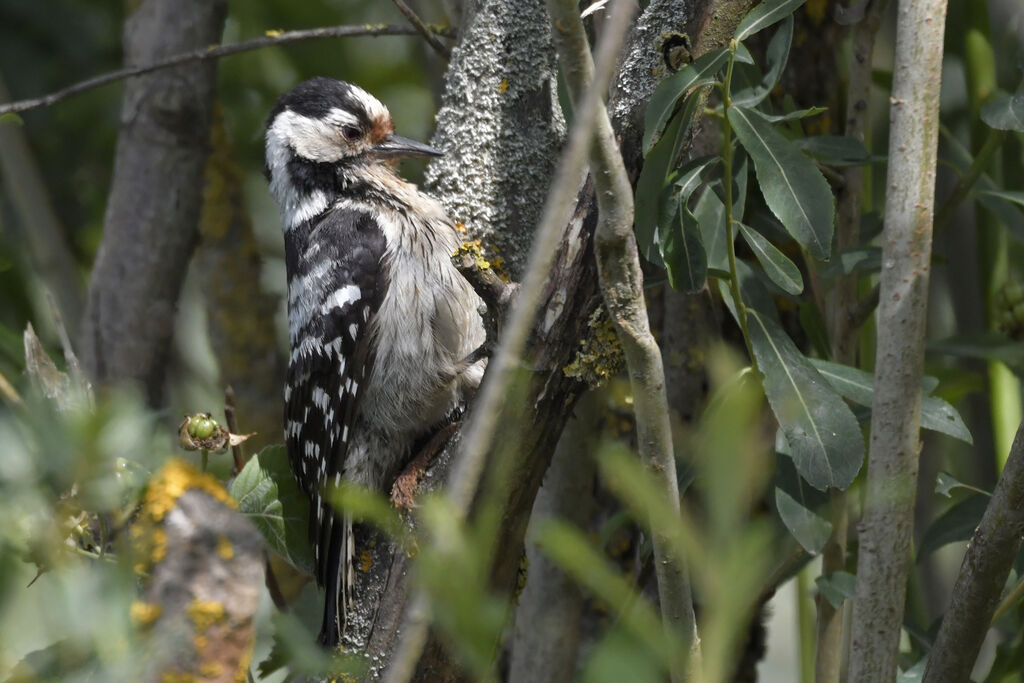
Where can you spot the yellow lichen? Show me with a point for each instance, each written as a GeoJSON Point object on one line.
{"type": "Point", "coordinates": [476, 249]}
{"type": "Point", "coordinates": [205, 613]}
{"type": "Point", "coordinates": [210, 669]}
{"type": "Point", "coordinates": [224, 548]}
{"type": "Point", "coordinates": [503, 86]}
{"type": "Point", "coordinates": [143, 614]}
{"type": "Point", "coordinates": [365, 561]}
{"type": "Point", "coordinates": [177, 677]}
{"type": "Point", "coordinates": [600, 355]}
{"type": "Point", "coordinates": [200, 642]}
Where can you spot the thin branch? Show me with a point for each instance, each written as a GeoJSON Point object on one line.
{"type": "Point", "coordinates": [272, 39]}
{"type": "Point", "coordinates": [424, 30]}
{"type": "Point", "coordinates": [621, 282]}
{"type": "Point", "coordinates": [486, 411]}
{"type": "Point", "coordinates": [229, 417]}
{"type": "Point", "coordinates": [986, 564]}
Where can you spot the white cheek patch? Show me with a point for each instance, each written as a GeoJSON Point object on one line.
{"type": "Point", "coordinates": [313, 139]}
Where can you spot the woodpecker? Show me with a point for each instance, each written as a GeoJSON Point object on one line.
{"type": "Point", "coordinates": [382, 327]}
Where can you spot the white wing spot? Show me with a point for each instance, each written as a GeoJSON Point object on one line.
{"type": "Point", "coordinates": [341, 297]}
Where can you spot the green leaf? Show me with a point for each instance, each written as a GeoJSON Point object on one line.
{"type": "Point", "coordinates": [1015, 197]}
{"type": "Point", "coordinates": [651, 193]}
{"type": "Point", "coordinates": [665, 96]}
{"type": "Point", "coordinates": [954, 525]}
{"type": "Point", "coordinates": [859, 386]}
{"type": "Point", "coordinates": [269, 496]}
{"type": "Point", "coordinates": [835, 150]}
{"type": "Point", "coordinates": [984, 345]}
{"type": "Point", "coordinates": [681, 246]}
{"type": "Point", "coordinates": [1005, 112]}
{"type": "Point", "coordinates": [710, 213]}
{"type": "Point", "coordinates": [779, 269]}
{"type": "Point", "coordinates": [824, 437]}
{"type": "Point", "coordinates": [946, 482]}
{"type": "Point", "coordinates": [793, 187]}
{"type": "Point", "coordinates": [11, 118]}
{"type": "Point", "coordinates": [810, 530]}
{"type": "Point", "coordinates": [856, 260]}
{"type": "Point", "coordinates": [794, 115]}
{"type": "Point", "coordinates": [837, 587]}
{"type": "Point", "coordinates": [775, 56]}
{"type": "Point", "coordinates": [764, 15]}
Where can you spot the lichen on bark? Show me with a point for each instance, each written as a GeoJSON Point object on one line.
{"type": "Point", "coordinates": [500, 115]}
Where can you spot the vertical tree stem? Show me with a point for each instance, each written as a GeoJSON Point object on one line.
{"type": "Point", "coordinates": [885, 530]}
{"type": "Point", "coordinates": [621, 284]}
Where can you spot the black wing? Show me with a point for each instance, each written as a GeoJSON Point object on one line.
{"type": "Point", "coordinates": [336, 285]}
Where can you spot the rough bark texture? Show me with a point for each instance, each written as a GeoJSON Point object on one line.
{"type": "Point", "coordinates": [204, 577]}
{"type": "Point", "coordinates": [150, 227]}
{"type": "Point", "coordinates": [239, 313]}
{"type": "Point", "coordinates": [886, 528]}
{"type": "Point", "coordinates": [546, 634]}
{"type": "Point", "coordinates": [987, 562]}
{"type": "Point", "coordinates": [500, 116]}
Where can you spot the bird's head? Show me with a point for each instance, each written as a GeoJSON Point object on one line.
{"type": "Point", "coordinates": [320, 129]}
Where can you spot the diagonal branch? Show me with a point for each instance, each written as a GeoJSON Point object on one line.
{"type": "Point", "coordinates": [273, 38]}
{"type": "Point", "coordinates": [424, 30]}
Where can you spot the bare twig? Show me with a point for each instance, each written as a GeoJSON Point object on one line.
{"type": "Point", "coordinates": [487, 407]}
{"type": "Point", "coordinates": [986, 564]}
{"type": "Point", "coordinates": [273, 38]}
{"type": "Point", "coordinates": [9, 393]}
{"type": "Point", "coordinates": [887, 524]}
{"type": "Point", "coordinates": [424, 30]}
{"type": "Point", "coordinates": [229, 417]}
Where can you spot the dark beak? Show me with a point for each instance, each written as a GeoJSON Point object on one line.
{"type": "Point", "coordinates": [397, 146]}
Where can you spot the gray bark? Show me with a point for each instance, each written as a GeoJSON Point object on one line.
{"type": "Point", "coordinates": [546, 635]}
{"type": "Point", "coordinates": [886, 528]}
{"type": "Point", "coordinates": [500, 125]}
{"type": "Point", "coordinates": [150, 226]}
{"type": "Point", "coordinates": [987, 562]}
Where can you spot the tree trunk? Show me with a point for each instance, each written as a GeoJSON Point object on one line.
{"type": "Point", "coordinates": [150, 227]}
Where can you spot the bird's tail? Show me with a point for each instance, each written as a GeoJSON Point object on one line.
{"type": "Point", "coordinates": [339, 580]}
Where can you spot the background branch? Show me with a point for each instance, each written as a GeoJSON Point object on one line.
{"type": "Point", "coordinates": [206, 53]}
{"type": "Point", "coordinates": [986, 564]}
{"type": "Point", "coordinates": [424, 30]}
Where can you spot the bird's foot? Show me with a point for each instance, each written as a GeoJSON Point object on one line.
{"type": "Point", "coordinates": [406, 486]}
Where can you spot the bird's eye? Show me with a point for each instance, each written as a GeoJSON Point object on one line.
{"type": "Point", "coordinates": [351, 133]}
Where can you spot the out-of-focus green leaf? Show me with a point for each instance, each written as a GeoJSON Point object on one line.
{"type": "Point", "coordinates": [12, 119]}
{"type": "Point", "coordinates": [823, 435]}
{"type": "Point", "coordinates": [667, 93]}
{"type": "Point", "coordinates": [793, 187]}
{"type": "Point", "coordinates": [775, 56]}
{"type": "Point", "coordinates": [269, 496]}
{"type": "Point", "coordinates": [837, 587]}
{"type": "Point", "coordinates": [764, 15]}
{"type": "Point", "coordinates": [813, 324]}
{"type": "Point", "coordinates": [779, 269]}
{"type": "Point", "coordinates": [1015, 197]}
{"type": "Point", "coordinates": [1005, 112]}
{"type": "Point", "coordinates": [954, 525]}
{"type": "Point", "coordinates": [861, 259]}
{"type": "Point", "coordinates": [946, 482]}
{"type": "Point", "coordinates": [618, 657]}
{"type": "Point", "coordinates": [985, 345]}
{"type": "Point", "coordinates": [859, 386]}
{"type": "Point", "coordinates": [295, 647]}
{"type": "Point", "coordinates": [915, 673]}
{"type": "Point", "coordinates": [835, 150]}
{"type": "Point", "coordinates": [810, 530]}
